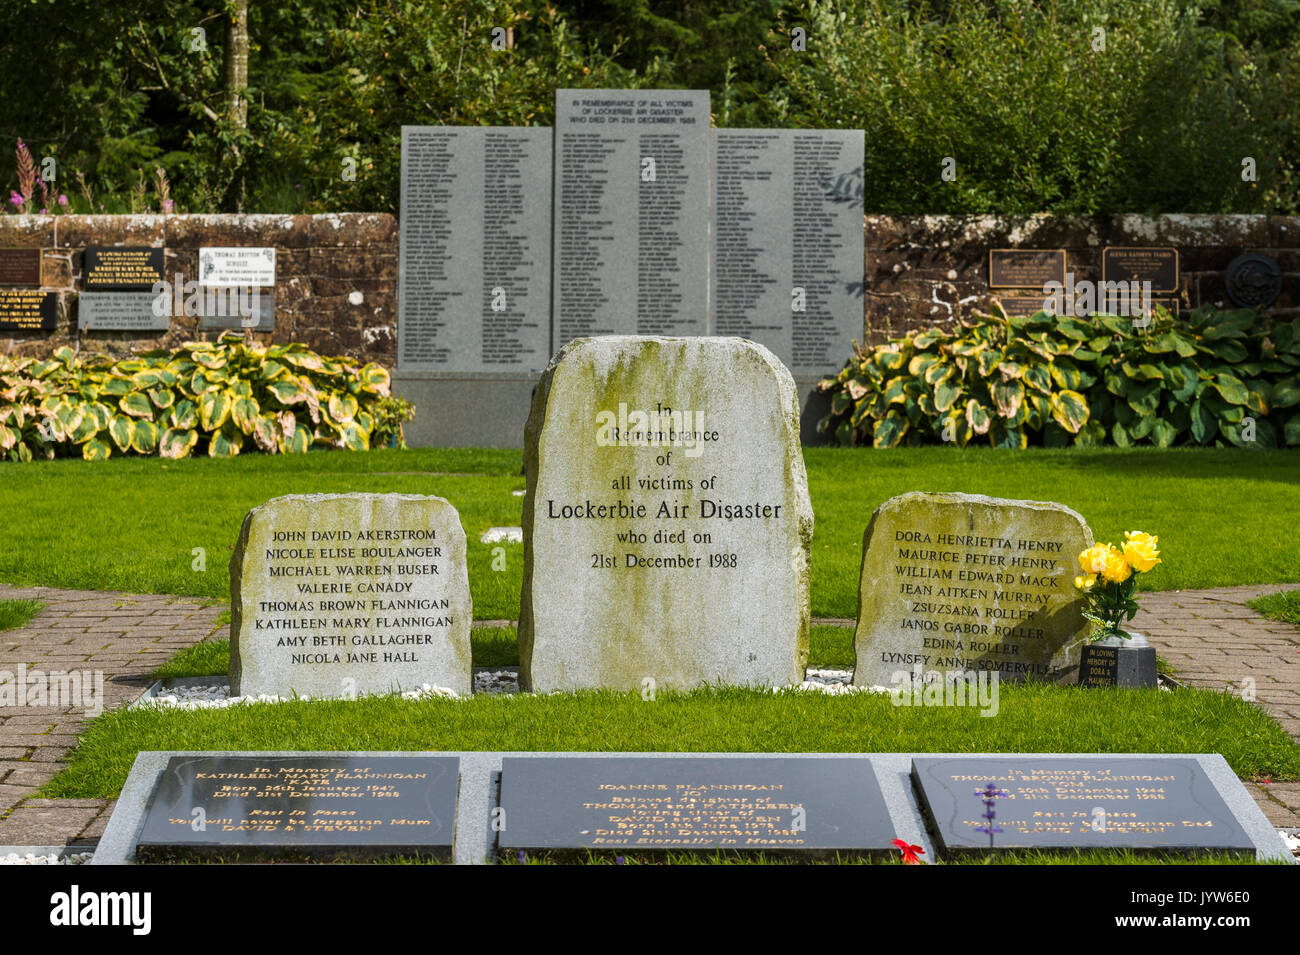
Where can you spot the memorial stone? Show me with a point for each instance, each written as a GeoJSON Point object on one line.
{"type": "Point", "coordinates": [338, 595]}
{"type": "Point", "coordinates": [961, 583]}
{"type": "Point", "coordinates": [667, 523]}
{"type": "Point", "coordinates": [121, 311]}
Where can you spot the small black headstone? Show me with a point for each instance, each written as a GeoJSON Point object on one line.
{"type": "Point", "coordinates": [632, 805]}
{"type": "Point", "coordinates": [1253, 280]}
{"type": "Point", "coordinates": [122, 268]}
{"type": "Point", "coordinates": [1103, 665]}
{"type": "Point", "coordinates": [1054, 803]}
{"type": "Point", "coordinates": [241, 808]}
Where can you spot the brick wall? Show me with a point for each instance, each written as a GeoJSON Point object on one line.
{"type": "Point", "coordinates": [337, 274]}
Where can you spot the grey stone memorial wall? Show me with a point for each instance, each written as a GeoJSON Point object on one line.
{"type": "Point", "coordinates": [120, 311]}
{"type": "Point", "coordinates": [631, 213]}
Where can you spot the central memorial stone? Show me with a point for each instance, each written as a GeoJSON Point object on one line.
{"type": "Point", "coordinates": [667, 522]}
{"type": "Point", "coordinates": [962, 583]}
{"type": "Point", "coordinates": [338, 595]}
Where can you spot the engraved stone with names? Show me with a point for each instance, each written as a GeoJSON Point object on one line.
{"type": "Point", "coordinates": [339, 595]}
{"type": "Point", "coordinates": [962, 583]}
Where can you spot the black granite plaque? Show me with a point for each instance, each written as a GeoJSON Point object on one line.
{"type": "Point", "coordinates": [20, 267]}
{"type": "Point", "coordinates": [1140, 803]}
{"type": "Point", "coordinates": [631, 213]}
{"type": "Point", "coordinates": [28, 310]}
{"type": "Point", "coordinates": [1025, 268]}
{"type": "Point", "coordinates": [122, 268]}
{"type": "Point", "coordinates": [1104, 665]}
{"type": "Point", "coordinates": [787, 242]}
{"type": "Point", "coordinates": [474, 263]}
{"type": "Point", "coordinates": [1158, 266]}
{"type": "Point", "coordinates": [1253, 280]}
{"type": "Point", "coordinates": [251, 807]}
{"type": "Point", "coordinates": [693, 803]}
{"type": "Point", "coordinates": [1025, 305]}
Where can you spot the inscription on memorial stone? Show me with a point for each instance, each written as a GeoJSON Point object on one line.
{"type": "Point", "coordinates": [1077, 802]}
{"type": "Point", "coordinates": [1157, 266]}
{"type": "Point", "coordinates": [961, 583]}
{"type": "Point", "coordinates": [787, 242]}
{"type": "Point", "coordinates": [20, 267]}
{"type": "Point", "coordinates": [121, 311]}
{"type": "Point", "coordinates": [692, 803]}
{"type": "Point", "coordinates": [258, 806]}
{"type": "Point", "coordinates": [631, 213]}
{"type": "Point", "coordinates": [28, 310]}
{"type": "Point", "coordinates": [474, 290]}
{"type": "Point", "coordinates": [338, 595]}
{"type": "Point", "coordinates": [123, 268]}
{"type": "Point", "coordinates": [234, 267]}
{"type": "Point", "coordinates": [666, 519]}
{"type": "Point", "coordinates": [1025, 268]}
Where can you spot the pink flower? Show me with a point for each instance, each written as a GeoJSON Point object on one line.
{"type": "Point", "coordinates": [63, 200]}
{"type": "Point", "coordinates": [168, 205]}
{"type": "Point", "coordinates": [15, 198]}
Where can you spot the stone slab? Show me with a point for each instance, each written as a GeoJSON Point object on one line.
{"type": "Point", "coordinates": [692, 804]}
{"type": "Point", "coordinates": [959, 583]}
{"type": "Point", "coordinates": [672, 563]}
{"type": "Point", "coordinates": [474, 263]}
{"type": "Point", "coordinates": [119, 268]}
{"type": "Point", "coordinates": [231, 267]}
{"type": "Point", "coordinates": [249, 807]}
{"type": "Point", "coordinates": [121, 311]}
{"type": "Point", "coordinates": [631, 252]}
{"type": "Point", "coordinates": [1140, 803]}
{"type": "Point", "coordinates": [338, 595]}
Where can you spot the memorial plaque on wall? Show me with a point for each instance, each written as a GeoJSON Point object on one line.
{"type": "Point", "coordinates": [122, 268]}
{"type": "Point", "coordinates": [260, 317]}
{"type": "Point", "coordinates": [1157, 266]}
{"type": "Point", "coordinates": [692, 803]}
{"type": "Point", "coordinates": [28, 310]}
{"type": "Point", "coordinates": [1025, 268]}
{"type": "Point", "coordinates": [631, 213]}
{"type": "Point", "coordinates": [787, 242]}
{"type": "Point", "coordinates": [236, 267]}
{"type": "Point", "coordinates": [121, 311]}
{"type": "Point", "coordinates": [254, 806]}
{"type": "Point", "coordinates": [1077, 802]}
{"type": "Point", "coordinates": [20, 267]}
{"type": "Point", "coordinates": [474, 265]}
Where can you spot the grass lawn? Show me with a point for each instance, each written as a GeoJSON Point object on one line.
{"type": "Point", "coordinates": [16, 613]}
{"type": "Point", "coordinates": [1030, 719]}
{"type": "Point", "coordinates": [134, 523]}
{"type": "Point", "coordinates": [1283, 605]}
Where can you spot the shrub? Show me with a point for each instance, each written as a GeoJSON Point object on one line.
{"type": "Point", "coordinates": [220, 397]}
{"type": "Point", "coordinates": [1060, 380]}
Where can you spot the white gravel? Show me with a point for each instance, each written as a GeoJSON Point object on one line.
{"type": "Point", "coordinates": [216, 695]}
{"type": "Point", "coordinates": [494, 535]}
{"type": "Point", "coordinates": [1292, 840]}
{"type": "Point", "coordinates": [72, 858]}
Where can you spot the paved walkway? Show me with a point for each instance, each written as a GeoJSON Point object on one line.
{"type": "Point", "coordinates": [121, 638]}
{"type": "Point", "coordinates": [1210, 637]}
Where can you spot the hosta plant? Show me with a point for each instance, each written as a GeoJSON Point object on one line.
{"type": "Point", "coordinates": [202, 398]}
{"type": "Point", "coordinates": [1209, 377]}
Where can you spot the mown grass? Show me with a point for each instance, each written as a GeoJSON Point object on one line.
{"type": "Point", "coordinates": [16, 613]}
{"type": "Point", "coordinates": [831, 648]}
{"type": "Point", "coordinates": [134, 523]}
{"type": "Point", "coordinates": [1283, 605]}
{"type": "Point", "coordinates": [1030, 719]}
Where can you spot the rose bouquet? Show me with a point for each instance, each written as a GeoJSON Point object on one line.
{"type": "Point", "coordinates": [1109, 579]}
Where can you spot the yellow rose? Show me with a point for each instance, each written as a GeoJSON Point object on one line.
{"type": "Point", "coordinates": [1140, 551]}
{"type": "Point", "coordinates": [1115, 567]}
{"type": "Point", "coordinates": [1085, 582]}
{"type": "Point", "coordinates": [1093, 560]}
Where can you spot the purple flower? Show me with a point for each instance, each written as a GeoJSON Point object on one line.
{"type": "Point", "coordinates": [168, 205]}
{"type": "Point", "coordinates": [15, 198]}
{"type": "Point", "coordinates": [522, 857]}
{"type": "Point", "coordinates": [619, 860]}
{"type": "Point", "coordinates": [63, 200]}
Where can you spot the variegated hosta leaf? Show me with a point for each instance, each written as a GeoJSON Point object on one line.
{"type": "Point", "coordinates": [184, 415]}
{"type": "Point", "coordinates": [145, 437]}
{"type": "Point", "coordinates": [136, 405]}
{"type": "Point", "coordinates": [1069, 410]}
{"type": "Point", "coordinates": [121, 429]}
{"type": "Point", "coordinates": [214, 409]}
{"type": "Point", "coordinates": [266, 433]}
{"type": "Point", "coordinates": [355, 438]}
{"type": "Point", "coordinates": [177, 442]}
{"type": "Point", "coordinates": [343, 408]}
{"type": "Point", "coordinates": [244, 411]}
{"type": "Point", "coordinates": [1007, 396]}
{"type": "Point", "coordinates": [287, 391]}
{"type": "Point", "coordinates": [376, 378]}
{"type": "Point", "coordinates": [226, 443]}
{"type": "Point", "coordinates": [162, 398]}
{"type": "Point", "coordinates": [95, 450]}
{"type": "Point", "coordinates": [978, 417]}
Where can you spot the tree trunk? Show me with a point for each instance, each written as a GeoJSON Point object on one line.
{"type": "Point", "coordinates": [236, 60]}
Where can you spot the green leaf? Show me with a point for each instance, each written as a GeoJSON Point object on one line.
{"type": "Point", "coordinates": [144, 437]}
{"type": "Point", "coordinates": [1291, 430]}
{"type": "Point", "coordinates": [946, 394]}
{"type": "Point", "coordinates": [226, 443]}
{"type": "Point", "coordinates": [1163, 433]}
{"type": "Point", "coordinates": [214, 409]}
{"type": "Point", "coordinates": [1069, 410]}
{"type": "Point", "coordinates": [137, 405]}
{"type": "Point", "coordinates": [95, 450]}
{"type": "Point", "coordinates": [1232, 388]}
{"type": "Point", "coordinates": [889, 430]}
{"type": "Point", "coordinates": [121, 429]}
{"type": "Point", "coordinates": [978, 418]}
{"type": "Point", "coordinates": [1204, 422]}
{"type": "Point", "coordinates": [177, 443]}
{"type": "Point", "coordinates": [244, 411]}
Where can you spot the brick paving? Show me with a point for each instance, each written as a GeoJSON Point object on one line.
{"type": "Point", "coordinates": [124, 637]}
{"type": "Point", "coordinates": [1215, 642]}
{"type": "Point", "coordinates": [1210, 638]}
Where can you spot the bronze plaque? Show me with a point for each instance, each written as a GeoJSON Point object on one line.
{"type": "Point", "coordinates": [122, 268]}
{"type": "Point", "coordinates": [28, 310]}
{"type": "Point", "coordinates": [1025, 268]}
{"type": "Point", "coordinates": [1024, 304]}
{"type": "Point", "coordinates": [1157, 266]}
{"type": "Point", "coordinates": [20, 267]}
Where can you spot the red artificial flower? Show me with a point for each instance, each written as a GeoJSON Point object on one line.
{"type": "Point", "coordinates": [911, 853]}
